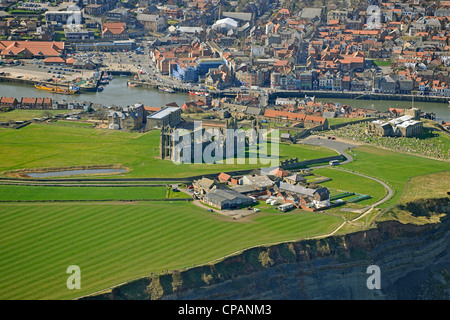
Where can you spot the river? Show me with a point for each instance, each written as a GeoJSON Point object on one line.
{"type": "Point", "coordinates": [117, 92]}
{"type": "Point", "coordinates": [441, 110]}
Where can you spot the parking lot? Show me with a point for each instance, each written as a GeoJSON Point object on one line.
{"type": "Point", "coordinates": [36, 70]}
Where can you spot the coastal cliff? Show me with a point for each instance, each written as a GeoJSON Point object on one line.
{"type": "Point", "coordinates": [414, 262]}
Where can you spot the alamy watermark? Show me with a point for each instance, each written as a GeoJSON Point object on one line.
{"type": "Point", "coordinates": [373, 17]}
{"type": "Point", "coordinates": [74, 20]}
{"type": "Point", "coordinates": [374, 280]}
{"type": "Point", "coordinates": [74, 280]}
{"type": "Point", "coordinates": [225, 146]}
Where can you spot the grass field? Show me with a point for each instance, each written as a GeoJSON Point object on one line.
{"type": "Point", "coordinates": [393, 167]}
{"type": "Point", "coordinates": [428, 186]}
{"type": "Point", "coordinates": [75, 123]}
{"type": "Point", "coordinates": [418, 191]}
{"type": "Point", "coordinates": [345, 181]}
{"type": "Point", "coordinates": [382, 63]}
{"type": "Point", "coordinates": [113, 243]}
{"type": "Point", "coordinates": [40, 145]}
{"type": "Point", "coordinates": [333, 121]}
{"type": "Point", "coordinates": [23, 115]}
{"type": "Point", "coordinates": [15, 193]}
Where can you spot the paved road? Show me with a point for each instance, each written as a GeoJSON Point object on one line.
{"type": "Point", "coordinates": [369, 208]}
{"type": "Point", "coordinates": [337, 145]}
{"type": "Point", "coordinates": [342, 147]}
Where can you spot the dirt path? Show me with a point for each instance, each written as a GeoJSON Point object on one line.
{"type": "Point", "coordinates": [390, 192]}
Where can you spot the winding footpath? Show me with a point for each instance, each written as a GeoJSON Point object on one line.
{"type": "Point", "coordinates": [341, 148]}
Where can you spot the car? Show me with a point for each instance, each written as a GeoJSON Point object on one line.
{"type": "Point", "coordinates": [210, 210]}
{"type": "Point", "coordinates": [333, 138]}
{"type": "Point", "coordinates": [49, 71]}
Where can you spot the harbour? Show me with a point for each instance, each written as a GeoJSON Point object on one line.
{"type": "Point", "coordinates": [119, 92]}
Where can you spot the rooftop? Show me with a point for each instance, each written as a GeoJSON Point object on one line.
{"type": "Point", "coordinates": [163, 112]}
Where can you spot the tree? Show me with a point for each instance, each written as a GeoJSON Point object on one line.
{"type": "Point", "coordinates": [47, 114]}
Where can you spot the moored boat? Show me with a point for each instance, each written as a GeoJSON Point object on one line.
{"type": "Point", "coordinates": [56, 89]}
{"type": "Point", "coordinates": [133, 84]}
{"type": "Point", "coordinates": [166, 89]}
{"type": "Point", "coordinates": [107, 76]}
{"type": "Point", "coordinates": [198, 93]}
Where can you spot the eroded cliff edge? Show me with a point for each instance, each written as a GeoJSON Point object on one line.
{"type": "Point", "coordinates": [414, 262]}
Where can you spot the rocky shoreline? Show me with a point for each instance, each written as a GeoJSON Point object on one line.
{"type": "Point", "coordinates": [413, 259]}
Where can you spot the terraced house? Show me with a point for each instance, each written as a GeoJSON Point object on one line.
{"type": "Point", "coordinates": [8, 102]}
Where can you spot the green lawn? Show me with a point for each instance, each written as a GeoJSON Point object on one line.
{"type": "Point", "coordinates": [345, 181]}
{"type": "Point", "coordinates": [75, 123]}
{"type": "Point", "coordinates": [382, 63]}
{"type": "Point", "coordinates": [305, 152]}
{"type": "Point", "coordinates": [333, 121]}
{"type": "Point", "coordinates": [113, 243]}
{"type": "Point", "coordinates": [40, 146]}
{"type": "Point", "coordinates": [23, 115]}
{"type": "Point", "coordinates": [427, 186]}
{"type": "Point", "coordinates": [393, 167]}
{"type": "Point", "coordinates": [15, 193]}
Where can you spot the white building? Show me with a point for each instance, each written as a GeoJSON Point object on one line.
{"type": "Point", "coordinates": [225, 24]}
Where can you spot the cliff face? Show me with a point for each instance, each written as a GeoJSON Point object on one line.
{"type": "Point", "coordinates": [414, 262]}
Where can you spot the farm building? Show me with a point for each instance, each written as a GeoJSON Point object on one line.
{"type": "Point", "coordinates": [204, 185]}
{"type": "Point", "coordinates": [226, 199]}
{"type": "Point", "coordinates": [259, 182]}
{"type": "Point", "coordinates": [320, 197]}
{"type": "Point", "coordinates": [295, 178]}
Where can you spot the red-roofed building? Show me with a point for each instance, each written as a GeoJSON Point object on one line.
{"type": "Point", "coordinates": [8, 102]}
{"type": "Point", "coordinates": [28, 103]}
{"type": "Point", "coordinates": [31, 49]}
{"type": "Point", "coordinates": [307, 120]}
{"type": "Point", "coordinates": [223, 177]}
{"type": "Point", "coordinates": [54, 60]}
{"type": "Point", "coordinates": [114, 30]}
{"type": "Point", "coordinates": [279, 172]}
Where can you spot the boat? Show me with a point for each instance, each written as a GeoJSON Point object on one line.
{"type": "Point", "coordinates": [133, 84]}
{"type": "Point", "coordinates": [70, 90]}
{"type": "Point", "coordinates": [100, 88]}
{"type": "Point", "coordinates": [165, 89]}
{"type": "Point", "coordinates": [104, 82]}
{"type": "Point", "coordinates": [107, 77]}
{"type": "Point", "coordinates": [197, 93]}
